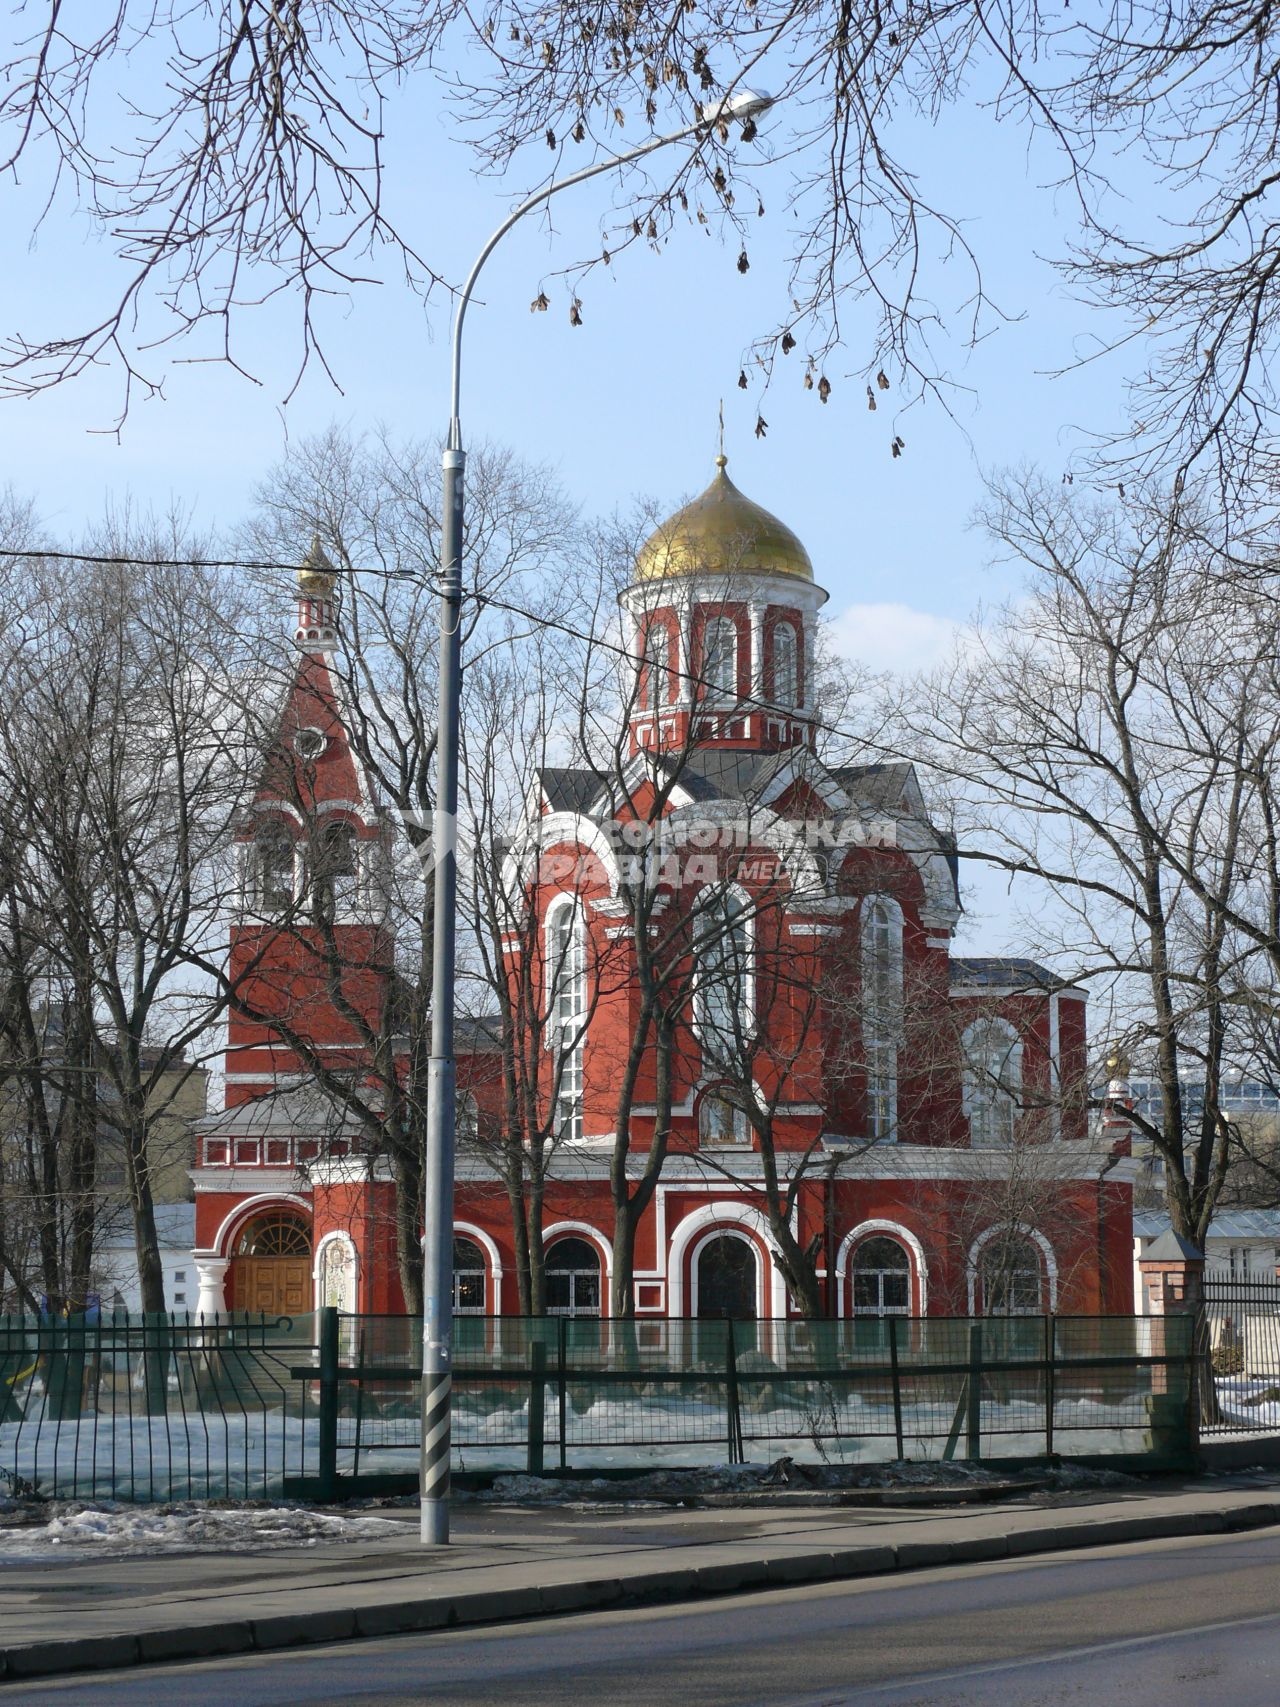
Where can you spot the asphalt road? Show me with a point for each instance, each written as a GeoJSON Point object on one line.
{"type": "Point", "coordinates": [1176, 1623]}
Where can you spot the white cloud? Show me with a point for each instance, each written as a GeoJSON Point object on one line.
{"type": "Point", "coordinates": [894, 636]}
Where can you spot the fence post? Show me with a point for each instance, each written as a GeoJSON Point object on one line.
{"type": "Point", "coordinates": [737, 1455]}
{"type": "Point", "coordinates": [1050, 1381]}
{"type": "Point", "coordinates": [973, 1408]}
{"type": "Point", "coordinates": [537, 1403]}
{"type": "Point", "coordinates": [562, 1395]}
{"type": "Point", "coordinates": [897, 1383]}
{"type": "Point", "coordinates": [327, 1469]}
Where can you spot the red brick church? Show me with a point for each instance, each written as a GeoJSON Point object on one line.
{"type": "Point", "coordinates": [923, 1117]}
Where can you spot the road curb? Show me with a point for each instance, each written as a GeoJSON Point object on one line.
{"type": "Point", "coordinates": [471, 1608]}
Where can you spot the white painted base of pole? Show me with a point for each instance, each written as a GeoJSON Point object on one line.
{"type": "Point", "coordinates": [435, 1523]}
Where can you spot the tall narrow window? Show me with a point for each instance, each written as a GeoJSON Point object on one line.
{"type": "Point", "coordinates": [723, 994]}
{"type": "Point", "coordinates": [720, 657]}
{"type": "Point", "coordinates": [566, 977]}
{"type": "Point", "coordinates": [786, 671]}
{"type": "Point", "coordinates": [659, 665]}
{"type": "Point", "coordinates": [273, 869]}
{"type": "Point", "coordinates": [992, 1082]}
{"type": "Point", "coordinates": [881, 1012]}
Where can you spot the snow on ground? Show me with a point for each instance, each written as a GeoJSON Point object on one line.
{"type": "Point", "coordinates": [250, 1455]}
{"type": "Point", "coordinates": [1251, 1402]}
{"type": "Point", "coordinates": [101, 1530]}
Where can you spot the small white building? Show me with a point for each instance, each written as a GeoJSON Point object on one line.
{"type": "Point", "coordinates": [1243, 1244]}
{"type": "Point", "coordinates": [115, 1262]}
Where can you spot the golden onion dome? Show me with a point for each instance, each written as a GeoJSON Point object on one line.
{"type": "Point", "coordinates": [317, 574]}
{"type": "Point", "coordinates": [1118, 1064]}
{"type": "Point", "coordinates": [722, 533]}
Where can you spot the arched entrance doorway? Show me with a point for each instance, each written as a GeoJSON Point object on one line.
{"type": "Point", "coordinates": [726, 1276]}
{"type": "Point", "coordinates": [271, 1264]}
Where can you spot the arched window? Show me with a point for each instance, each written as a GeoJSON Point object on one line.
{"type": "Point", "coordinates": [334, 870]}
{"type": "Point", "coordinates": [786, 668]}
{"type": "Point", "coordinates": [992, 1082]}
{"type": "Point", "coordinates": [1011, 1275]}
{"type": "Point", "coordinates": [727, 1278]}
{"type": "Point", "coordinates": [566, 978]}
{"type": "Point", "coordinates": [572, 1278]}
{"type": "Point", "coordinates": [720, 1122]}
{"type": "Point", "coordinates": [273, 877]}
{"type": "Point", "coordinates": [275, 1235]}
{"type": "Point", "coordinates": [881, 1278]}
{"type": "Point", "coordinates": [720, 657]}
{"type": "Point", "coordinates": [468, 1277]}
{"type": "Point", "coordinates": [723, 988]}
{"type": "Point", "coordinates": [881, 1012]}
{"type": "Point", "coordinates": [659, 664]}
{"type": "Point", "coordinates": [466, 1118]}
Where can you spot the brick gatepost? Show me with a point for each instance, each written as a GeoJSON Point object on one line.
{"type": "Point", "coordinates": [1173, 1279]}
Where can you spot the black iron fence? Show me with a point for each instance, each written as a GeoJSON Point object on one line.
{"type": "Point", "coordinates": [160, 1408]}
{"type": "Point", "coordinates": [1239, 1347]}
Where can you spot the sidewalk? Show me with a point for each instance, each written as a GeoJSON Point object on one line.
{"type": "Point", "coordinates": [516, 1563]}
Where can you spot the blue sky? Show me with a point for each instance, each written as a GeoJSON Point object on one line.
{"type": "Point", "coordinates": [627, 403]}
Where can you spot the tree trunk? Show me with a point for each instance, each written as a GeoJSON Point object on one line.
{"type": "Point", "coordinates": [408, 1214]}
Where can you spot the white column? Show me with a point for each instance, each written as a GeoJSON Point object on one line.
{"type": "Point", "coordinates": [212, 1271]}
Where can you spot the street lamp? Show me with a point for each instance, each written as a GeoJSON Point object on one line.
{"type": "Point", "coordinates": [437, 1280]}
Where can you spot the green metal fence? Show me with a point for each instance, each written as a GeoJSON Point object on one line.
{"type": "Point", "coordinates": [327, 1405]}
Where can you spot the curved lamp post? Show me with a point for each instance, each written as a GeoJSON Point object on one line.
{"type": "Point", "coordinates": [437, 1285]}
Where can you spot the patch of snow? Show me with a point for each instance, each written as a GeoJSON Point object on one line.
{"type": "Point", "coordinates": [106, 1530]}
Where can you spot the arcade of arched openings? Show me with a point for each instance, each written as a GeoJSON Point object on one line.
{"type": "Point", "coordinates": [922, 1109]}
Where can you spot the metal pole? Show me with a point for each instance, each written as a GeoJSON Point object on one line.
{"type": "Point", "coordinates": [437, 1243]}
{"type": "Point", "coordinates": [437, 1251]}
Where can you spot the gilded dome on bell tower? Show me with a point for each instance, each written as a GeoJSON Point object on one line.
{"type": "Point", "coordinates": [722, 533]}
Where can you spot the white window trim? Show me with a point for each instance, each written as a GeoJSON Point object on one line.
{"type": "Point", "coordinates": [970, 1086]}
{"type": "Point", "coordinates": [890, 1046]}
{"type": "Point", "coordinates": [570, 1055]}
{"type": "Point", "coordinates": [794, 701]}
{"type": "Point", "coordinates": [894, 1230]}
{"type": "Point", "coordinates": [712, 687]}
{"type": "Point", "coordinates": [1036, 1237]}
{"type": "Point", "coordinates": [714, 1070]}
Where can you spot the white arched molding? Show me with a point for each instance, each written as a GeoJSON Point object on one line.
{"type": "Point", "coordinates": [492, 1258]}
{"type": "Point", "coordinates": [252, 1206]}
{"type": "Point", "coordinates": [977, 1087]}
{"type": "Point", "coordinates": [322, 1249]}
{"type": "Point", "coordinates": [725, 1216]}
{"type": "Point", "coordinates": [1036, 1237]}
{"type": "Point", "coordinates": [892, 1230]}
{"type": "Point", "coordinates": [569, 830]}
{"type": "Point", "coordinates": [758, 827]}
{"type": "Point", "coordinates": [710, 1237]}
{"type": "Point", "coordinates": [581, 1230]}
{"type": "Point", "coordinates": [702, 920]}
{"type": "Point", "coordinates": [881, 1032]}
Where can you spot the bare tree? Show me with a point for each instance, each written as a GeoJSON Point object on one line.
{"type": "Point", "coordinates": [1111, 738]}
{"type": "Point", "coordinates": [250, 162]}
{"type": "Point", "coordinates": [371, 506]}
{"type": "Point", "coordinates": [122, 778]}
